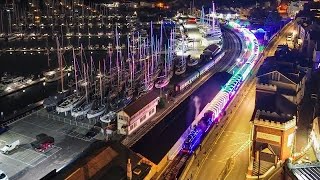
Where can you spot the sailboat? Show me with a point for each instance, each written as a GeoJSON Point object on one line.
{"type": "Point", "coordinates": [192, 62]}
{"type": "Point", "coordinates": [168, 55]}
{"type": "Point", "coordinates": [84, 107]}
{"type": "Point", "coordinates": [164, 80]}
{"type": "Point", "coordinates": [58, 73]}
{"type": "Point", "coordinates": [109, 117]}
{"type": "Point", "coordinates": [98, 108]}
{"type": "Point", "coordinates": [180, 49]}
{"type": "Point", "coordinates": [211, 31]}
{"type": "Point", "coordinates": [75, 99]}
{"type": "Point", "coordinates": [52, 101]}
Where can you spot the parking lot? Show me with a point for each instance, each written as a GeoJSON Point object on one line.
{"type": "Point", "coordinates": [26, 163]}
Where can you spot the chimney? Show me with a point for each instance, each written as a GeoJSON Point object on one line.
{"type": "Point", "coordinates": [129, 170]}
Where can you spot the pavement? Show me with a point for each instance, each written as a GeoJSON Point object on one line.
{"type": "Point", "coordinates": [233, 140]}
{"type": "Point", "coordinates": [26, 163]}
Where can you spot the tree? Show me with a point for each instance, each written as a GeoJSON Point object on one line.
{"type": "Point", "coordinates": [162, 103]}
{"type": "Point", "coordinates": [273, 19]}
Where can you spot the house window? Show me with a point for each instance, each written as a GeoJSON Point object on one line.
{"type": "Point", "coordinates": [143, 118]}
{"type": "Point", "coordinates": [131, 127]}
{"type": "Point", "coordinates": [152, 110]}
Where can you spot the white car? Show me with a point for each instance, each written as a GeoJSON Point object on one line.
{"type": "Point", "coordinates": [9, 147]}
{"type": "Point", "coordinates": [3, 176]}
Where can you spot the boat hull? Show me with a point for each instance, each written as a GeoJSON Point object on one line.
{"type": "Point", "coordinates": [86, 108]}
{"type": "Point", "coordinates": [68, 107]}
{"type": "Point", "coordinates": [96, 113]}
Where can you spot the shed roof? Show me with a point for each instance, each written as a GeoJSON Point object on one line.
{"type": "Point", "coordinates": [140, 103]}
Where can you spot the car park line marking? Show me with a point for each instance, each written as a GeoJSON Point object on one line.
{"type": "Point", "coordinates": [37, 156]}
{"type": "Point", "coordinates": [69, 134]}
{"type": "Point", "coordinates": [49, 155]}
{"type": "Point", "coordinates": [36, 125]}
{"type": "Point", "coordinates": [22, 135]}
{"type": "Point", "coordinates": [8, 156]}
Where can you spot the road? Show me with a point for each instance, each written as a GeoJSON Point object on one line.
{"type": "Point", "coordinates": [232, 47]}
{"type": "Point", "coordinates": [233, 139]}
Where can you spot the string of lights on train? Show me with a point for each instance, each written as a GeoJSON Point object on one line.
{"type": "Point", "coordinates": [218, 104]}
{"type": "Point", "coordinates": [222, 99]}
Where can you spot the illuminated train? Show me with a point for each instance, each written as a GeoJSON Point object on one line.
{"type": "Point", "coordinates": [182, 85]}
{"type": "Point", "coordinates": [217, 106]}
{"type": "Point", "coordinates": [195, 136]}
{"type": "Point", "coordinates": [192, 140]}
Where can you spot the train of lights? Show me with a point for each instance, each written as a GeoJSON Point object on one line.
{"type": "Point", "coordinates": [217, 106]}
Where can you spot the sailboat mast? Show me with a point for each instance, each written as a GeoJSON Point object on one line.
{"type": "Point", "coordinates": [100, 81]}
{"type": "Point", "coordinates": [85, 81]}
{"type": "Point", "coordinates": [151, 43]}
{"type": "Point", "coordinates": [75, 70]}
{"type": "Point", "coordinates": [117, 48]}
{"type": "Point", "coordinates": [213, 13]}
{"type": "Point", "coordinates": [59, 56]}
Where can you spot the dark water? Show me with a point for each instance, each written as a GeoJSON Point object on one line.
{"type": "Point", "coordinates": [19, 100]}
{"type": "Point", "coordinates": [157, 142]}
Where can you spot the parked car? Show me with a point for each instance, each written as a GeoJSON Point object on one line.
{"type": "Point", "coordinates": [3, 129]}
{"type": "Point", "coordinates": [42, 142]}
{"type": "Point", "coordinates": [3, 176]}
{"type": "Point", "coordinates": [9, 147]}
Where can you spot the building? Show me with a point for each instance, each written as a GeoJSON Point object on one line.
{"type": "Point", "coordinates": [283, 79]}
{"type": "Point", "coordinates": [279, 89]}
{"type": "Point", "coordinates": [272, 132]}
{"type": "Point", "coordinates": [137, 113]}
{"type": "Point", "coordinates": [104, 160]}
{"type": "Point", "coordinates": [294, 7]}
{"type": "Point", "coordinates": [304, 171]}
{"type": "Point", "coordinates": [308, 25]}
{"type": "Point", "coordinates": [316, 54]}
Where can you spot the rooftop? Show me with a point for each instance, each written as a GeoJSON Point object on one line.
{"type": "Point", "coordinates": [274, 102]}
{"type": "Point", "coordinates": [140, 103]}
{"type": "Point", "coordinates": [305, 171]}
{"type": "Point", "coordinates": [104, 160]}
{"type": "Point", "coordinates": [287, 68]}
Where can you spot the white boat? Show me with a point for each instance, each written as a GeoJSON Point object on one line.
{"type": "Point", "coordinates": [96, 112]}
{"type": "Point", "coordinates": [180, 70]}
{"type": "Point", "coordinates": [70, 103]}
{"type": "Point", "coordinates": [7, 79]}
{"type": "Point", "coordinates": [53, 101]}
{"type": "Point", "coordinates": [109, 117]}
{"type": "Point", "coordinates": [81, 110]}
{"type": "Point", "coordinates": [54, 75]}
{"type": "Point", "coordinates": [162, 82]}
{"type": "Point", "coordinates": [213, 34]}
{"type": "Point", "coordinates": [192, 62]}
